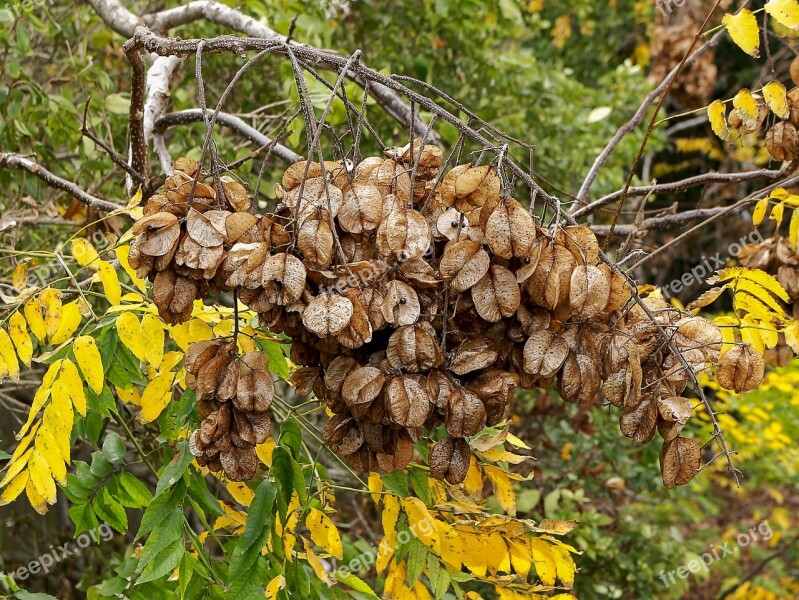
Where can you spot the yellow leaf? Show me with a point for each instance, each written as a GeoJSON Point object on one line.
{"type": "Point", "coordinates": [421, 522]}
{"type": "Point", "coordinates": [131, 396]}
{"type": "Point", "coordinates": [240, 492]}
{"type": "Point", "coordinates": [70, 319]}
{"type": "Point", "coordinates": [324, 533]}
{"type": "Point", "coordinates": [16, 466]}
{"type": "Point", "coordinates": [8, 356]}
{"type": "Point", "coordinates": [110, 280]}
{"type": "Point", "coordinates": [14, 489]}
{"type": "Point", "coordinates": [135, 199]}
{"type": "Point", "coordinates": [717, 115]}
{"type": "Point", "coordinates": [156, 396]}
{"type": "Point", "coordinates": [130, 334]}
{"type": "Point", "coordinates": [89, 361]}
{"type": "Point", "coordinates": [777, 213]}
{"type": "Point", "coordinates": [19, 278]}
{"type": "Point", "coordinates": [34, 310]}
{"type": "Point", "coordinates": [83, 251]}
{"type": "Point", "coordinates": [23, 445]}
{"type": "Point", "coordinates": [274, 586]}
{"type": "Point", "coordinates": [752, 337]}
{"type": "Point", "coordinates": [785, 12]}
{"type": "Point", "coordinates": [316, 565]}
{"type": "Point", "coordinates": [747, 107]}
{"type": "Point", "coordinates": [520, 557]}
{"type": "Point", "coordinates": [496, 553]}
{"type": "Point", "coordinates": [41, 477]}
{"type": "Point", "coordinates": [40, 397]}
{"type": "Point", "coordinates": [122, 256]}
{"type": "Point", "coordinates": [776, 99]}
{"type": "Point", "coordinates": [46, 448]}
{"type": "Point", "coordinates": [58, 418]}
{"type": "Point", "coordinates": [564, 565]}
{"type": "Point", "coordinates": [760, 211]}
{"type": "Point", "coordinates": [744, 31]}
{"type": "Point", "coordinates": [451, 548]}
{"type": "Point", "coordinates": [71, 380]}
{"type": "Point", "coordinates": [391, 508]}
{"type": "Point", "coordinates": [35, 498]}
{"type": "Point", "coordinates": [18, 329]}
{"type": "Point", "coordinates": [190, 332]}
{"type": "Point", "coordinates": [51, 299]}
{"type": "Point", "coordinates": [544, 561]}
{"type": "Point", "coordinates": [375, 486]}
{"type": "Point", "coordinates": [503, 489]}
{"type": "Point", "coordinates": [152, 335]}
{"type": "Point", "coordinates": [264, 451]}
{"type": "Point", "coordinates": [760, 277]}
{"type": "Point", "coordinates": [473, 484]}
{"type": "Point", "coordinates": [474, 555]}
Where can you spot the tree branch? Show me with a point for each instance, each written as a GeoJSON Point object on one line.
{"type": "Point", "coordinates": [195, 115]}
{"type": "Point", "coordinates": [124, 22]}
{"type": "Point", "coordinates": [10, 160]}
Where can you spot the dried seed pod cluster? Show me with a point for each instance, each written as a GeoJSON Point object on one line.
{"type": "Point", "coordinates": [234, 394]}
{"type": "Point", "coordinates": [415, 299]}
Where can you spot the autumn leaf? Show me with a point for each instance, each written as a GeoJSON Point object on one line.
{"type": "Point", "coordinates": [18, 330]}
{"type": "Point", "coordinates": [110, 280]}
{"type": "Point", "coordinates": [776, 99]}
{"type": "Point", "coordinates": [785, 12]}
{"type": "Point", "coordinates": [156, 396]}
{"type": "Point", "coordinates": [716, 113]}
{"type": "Point", "coordinates": [130, 334]}
{"type": "Point", "coordinates": [70, 319]}
{"type": "Point", "coordinates": [324, 533]}
{"type": "Point", "coordinates": [89, 361]}
{"type": "Point", "coordinates": [744, 31]}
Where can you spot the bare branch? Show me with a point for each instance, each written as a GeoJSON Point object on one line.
{"type": "Point", "coordinates": [118, 18]}
{"type": "Point", "coordinates": [669, 221]}
{"type": "Point", "coordinates": [195, 115]}
{"type": "Point", "coordinates": [681, 186]}
{"type": "Point", "coordinates": [10, 160]}
{"type": "Point", "coordinates": [138, 145]}
{"type": "Point", "coordinates": [158, 77]}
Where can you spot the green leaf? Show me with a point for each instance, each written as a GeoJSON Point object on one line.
{"type": "Point", "coordinates": [277, 360]}
{"type": "Point", "coordinates": [114, 448]}
{"type": "Point", "coordinates": [288, 475]}
{"type": "Point", "coordinates": [133, 491]}
{"type": "Point", "coordinates": [356, 583]}
{"type": "Point", "coordinates": [168, 531]}
{"type": "Point", "coordinates": [117, 375]}
{"type": "Point", "coordinates": [175, 469]}
{"type": "Point", "coordinates": [83, 517]}
{"type": "Point", "coordinates": [256, 531]}
{"type": "Point", "coordinates": [104, 404]}
{"type": "Point", "coordinates": [160, 508]}
{"type": "Point", "coordinates": [110, 510]}
{"type": "Point", "coordinates": [164, 563]}
{"type": "Point", "coordinates": [397, 482]}
{"type": "Point", "coordinates": [199, 492]}
{"type": "Point", "coordinates": [420, 485]}
{"type": "Point", "coordinates": [417, 556]}
{"type": "Point", "coordinates": [291, 437]}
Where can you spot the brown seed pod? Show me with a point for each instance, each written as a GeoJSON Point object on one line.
{"type": "Point", "coordinates": [589, 291]}
{"type": "Point", "coordinates": [407, 402]}
{"type": "Point", "coordinates": [362, 208]}
{"type": "Point", "coordinates": [414, 349]}
{"type": "Point", "coordinates": [283, 278]}
{"type": "Point", "coordinates": [449, 459]}
{"type": "Point", "coordinates": [510, 230]}
{"type": "Point", "coordinates": [400, 304]}
{"type": "Point", "coordinates": [740, 369]}
{"type": "Point", "coordinates": [639, 424]}
{"type": "Point", "coordinates": [673, 413]}
{"type": "Point", "coordinates": [496, 295]}
{"type": "Point", "coordinates": [544, 353]}
{"type": "Point", "coordinates": [680, 460]}
{"type": "Point", "coordinates": [782, 141]}
{"type": "Point", "coordinates": [472, 354]}
{"type": "Point", "coordinates": [463, 264]}
{"type": "Point", "coordinates": [315, 240]}
{"type": "Point", "coordinates": [464, 413]}
{"type": "Point", "coordinates": [361, 387]}
{"type": "Point", "coordinates": [549, 284]}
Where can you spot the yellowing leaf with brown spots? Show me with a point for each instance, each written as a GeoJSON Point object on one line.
{"type": "Point", "coordinates": [421, 522]}
{"type": "Point", "coordinates": [316, 565]}
{"type": "Point", "coordinates": [152, 335]}
{"type": "Point", "coordinates": [14, 489]}
{"type": "Point", "coordinates": [776, 99]}
{"type": "Point", "coordinates": [35, 498]}
{"type": "Point", "coordinates": [40, 397]}
{"type": "Point", "coordinates": [47, 448]}
{"type": "Point", "coordinates": [18, 330]}
{"type": "Point", "coordinates": [83, 251]}
{"type": "Point", "coordinates": [375, 486]}
{"type": "Point", "coordinates": [503, 489]}
{"type": "Point", "coordinates": [785, 12]}
{"type": "Point", "coordinates": [130, 334]}
{"type": "Point", "coordinates": [71, 380]}
{"type": "Point", "coordinates": [156, 396]}
{"type": "Point", "coordinates": [760, 211]}
{"type": "Point", "coordinates": [747, 107]}
{"type": "Point", "coordinates": [716, 113]}
{"type": "Point", "coordinates": [110, 280]}
{"type": "Point", "coordinates": [34, 313]}
{"type": "Point", "coordinates": [324, 533]}
{"type": "Point", "coordinates": [89, 361]}
{"type": "Point", "coordinates": [544, 561]}
{"type": "Point", "coordinates": [122, 256]}
{"type": "Point", "coordinates": [8, 357]}
{"type": "Point", "coordinates": [744, 31]}
{"type": "Point", "coordinates": [70, 319]}
{"type": "Point", "coordinates": [19, 278]}
{"type": "Point", "coordinates": [41, 477]}
{"type": "Point", "coordinates": [51, 299]}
